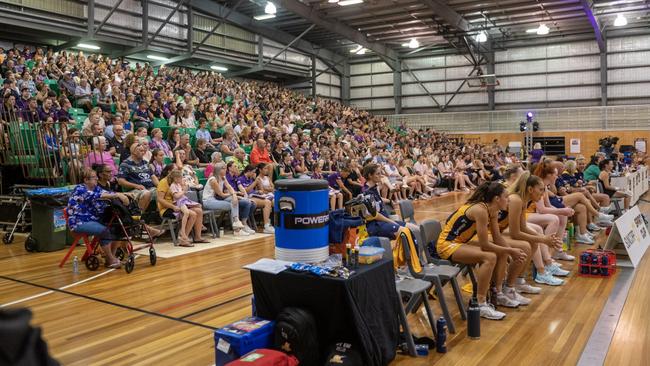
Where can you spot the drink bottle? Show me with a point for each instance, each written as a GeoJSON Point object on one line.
{"type": "Point", "coordinates": [441, 339]}
{"type": "Point", "coordinates": [474, 319]}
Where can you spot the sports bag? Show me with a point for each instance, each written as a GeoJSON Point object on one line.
{"type": "Point", "coordinates": [295, 334]}
{"type": "Point", "coordinates": [343, 354]}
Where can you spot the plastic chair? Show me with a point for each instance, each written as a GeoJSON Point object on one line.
{"type": "Point", "coordinates": [615, 200]}
{"type": "Point", "coordinates": [413, 288]}
{"type": "Point", "coordinates": [160, 122]}
{"type": "Point", "coordinates": [430, 230]}
{"type": "Point", "coordinates": [438, 276]}
{"type": "Point", "coordinates": [210, 214]}
{"type": "Point", "coordinates": [407, 211]}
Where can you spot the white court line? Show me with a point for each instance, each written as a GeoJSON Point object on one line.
{"type": "Point", "coordinates": [27, 299]}
{"type": "Point", "coordinates": [60, 288]}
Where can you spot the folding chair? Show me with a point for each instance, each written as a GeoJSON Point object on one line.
{"type": "Point", "coordinates": [407, 211]}
{"type": "Point", "coordinates": [615, 200]}
{"type": "Point", "coordinates": [210, 214]}
{"type": "Point", "coordinates": [412, 288]}
{"type": "Point", "coordinates": [439, 276]}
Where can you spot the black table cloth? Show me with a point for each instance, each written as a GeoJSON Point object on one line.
{"type": "Point", "coordinates": [362, 310]}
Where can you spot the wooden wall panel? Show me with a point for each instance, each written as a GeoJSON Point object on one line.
{"type": "Point", "coordinates": [588, 139]}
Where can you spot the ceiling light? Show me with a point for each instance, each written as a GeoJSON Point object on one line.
{"type": "Point", "coordinates": [355, 50]}
{"type": "Point", "coordinates": [620, 21]}
{"type": "Point", "coordinates": [333, 1]}
{"type": "Point", "coordinates": [88, 46]}
{"type": "Point", "coordinates": [264, 16]}
{"type": "Point", "coordinates": [349, 2]}
{"type": "Point", "coordinates": [218, 68]}
{"type": "Point", "coordinates": [542, 30]}
{"type": "Point", "coordinates": [414, 43]}
{"type": "Point", "coordinates": [157, 58]}
{"type": "Point", "coordinates": [270, 8]}
{"type": "Point", "coordinates": [362, 51]}
{"type": "Point", "coordinates": [481, 37]}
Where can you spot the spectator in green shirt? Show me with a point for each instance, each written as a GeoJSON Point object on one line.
{"type": "Point", "coordinates": [592, 172]}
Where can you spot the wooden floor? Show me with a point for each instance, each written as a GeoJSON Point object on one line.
{"type": "Point", "coordinates": [166, 314]}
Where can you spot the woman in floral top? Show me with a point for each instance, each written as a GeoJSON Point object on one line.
{"type": "Point", "coordinates": [85, 208]}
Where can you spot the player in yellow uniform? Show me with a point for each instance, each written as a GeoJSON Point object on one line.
{"type": "Point", "coordinates": [465, 239]}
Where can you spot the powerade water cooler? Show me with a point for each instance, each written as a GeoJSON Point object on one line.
{"type": "Point", "coordinates": [301, 220]}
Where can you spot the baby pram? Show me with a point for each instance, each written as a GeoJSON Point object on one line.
{"type": "Point", "coordinates": [125, 224]}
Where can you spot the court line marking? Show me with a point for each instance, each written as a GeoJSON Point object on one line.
{"type": "Point", "coordinates": [597, 346]}
{"type": "Point", "coordinates": [60, 288]}
{"type": "Point", "coordinates": [216, 305]}
{"type": "Point", "coordinates": [127, 307]}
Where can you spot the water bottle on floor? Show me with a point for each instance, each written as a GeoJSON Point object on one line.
{"type": "Point", "coordinates": [75, 265]}
{"type": "Point", "coordinates": [473, 319]}
{"type": "Point", "coordinates": [441, 338]}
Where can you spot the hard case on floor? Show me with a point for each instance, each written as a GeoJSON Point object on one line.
{"type": "Point", "coordinates": [239, 338]}
{"type": "Point", "coordinates": [265, 357]}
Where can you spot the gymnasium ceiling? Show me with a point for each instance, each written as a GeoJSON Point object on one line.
{"type": "Point", "coordinates": [394, 23]}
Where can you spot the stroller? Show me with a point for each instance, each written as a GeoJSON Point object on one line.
{"type": "Point", "coordinates": [125, 224]}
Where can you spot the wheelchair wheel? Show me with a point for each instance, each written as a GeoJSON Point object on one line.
{"type": "Point", "coordinates": [152, 256]}
{"type": "Point", "coordinates": [119, 253]}
{"type": "Point", "coordinates": [30, 244]}
{"type": "Point", "coordinates": [92, 262]}
{"type": "Point", "coordinates": [7, 238]}
{"type": "Point", "coordinates": [130, 263]}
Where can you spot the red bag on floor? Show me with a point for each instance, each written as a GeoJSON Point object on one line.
{"type": "Point", "coordinates": [265, 357]}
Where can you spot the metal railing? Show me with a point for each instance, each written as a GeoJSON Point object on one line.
{"type": "Point", "coordinates": [630, 117]}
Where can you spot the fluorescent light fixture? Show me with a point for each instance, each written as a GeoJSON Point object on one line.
{"type": "Point", "coordinates": [218, 68]}
{"type": "Point", "coordinates": [534, 30]}
{"type": "Point", "coordinates": [481, 37]}
{"type": "Point", "coordinates": [349, 2]}
{"type": "Point", "coordinates": [362, 51]}
{"type": "Point", "coordinates": [620, 21]}
{"type": "Point", "coordinates": [333, 1]}
{"type": "Point", "coordinates": [414, 43]}
{"type": "Point", "coordinates": [264, 16]}
{"type": "Point", "coordinates": [88, 46]}
{"type": "Point", "coordinates": [270, 8]}
{"type": "Point", "coordinates": [355, 50]}
{"type": "Point", "coordinates": [157, 58]}
{"type": "Point", "coordinates": [542, 30]}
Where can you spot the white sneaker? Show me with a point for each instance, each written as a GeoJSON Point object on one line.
{"type": "Point", "coordinates": [511, 293]}
{"type": "Point", "coordinates": [241, 232]}
{"type": "Point", "coordinates": [489, 312]}
{"type": "Point", "coordinates": [584, 239]}
{"type": "Point", "coordinates": [504, 300]}
{"type": "Point", "coordinates": [268, 229]}
{"type": "Point", "coordinates": [555, 270]}
{"type": "Point", "coordinates": [593, 227]}
{"type": "Point", "coordinates": [563, 256]}
{"type": "Point", "coordinates": [525, 288]}
{"type": "Point", "coordinates": [249, 230]}
{"type": "Point", "coordinates": [236, 225]}
{"type": "Point", "coordinates": [548, 279]}
{"type": "Point", "coordinates": [605, 223]}
{"type": "Point", "coordinates": [602, 216]}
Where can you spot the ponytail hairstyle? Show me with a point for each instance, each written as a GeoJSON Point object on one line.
{"type": "Point", "coordinates": [544, 168]}
{"type": "Point", "coordinates": [259, 168]}
{"type": "Point", "coordinates": [486, 192]}
{"type": "Point", "coordinates": [522, 184]}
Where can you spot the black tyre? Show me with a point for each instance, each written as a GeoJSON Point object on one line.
{"type": "Point", "coordinates": [92, 263]}
{"type": "Point", "coordinates": [153, 258]}
{"type": "Point", "coordinates": [130, 263]}
{"type": "Point", "coordinates": [30, 244]}
{"type": "Point", "coordinates": [8, 238]}
{"type": "Point", "coordinates": [120, 254]}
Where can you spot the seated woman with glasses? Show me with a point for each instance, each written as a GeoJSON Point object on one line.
{"type": "Point", "coordinates": [85, 209]}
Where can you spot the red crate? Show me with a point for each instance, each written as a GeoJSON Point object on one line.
{"type": "Point", "coordinates": [597, 269]}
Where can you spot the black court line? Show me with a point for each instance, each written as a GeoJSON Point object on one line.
{"type": "Point", "coordinates": [215, 306]}
{"type": "Point", "coordinates": [110, 303]}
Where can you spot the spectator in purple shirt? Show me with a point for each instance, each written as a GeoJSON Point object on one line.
{"type": "Point", "coordinates": [23, 101]}
{"type": "Point", "coordinates": [141, 117]}
{"type": "Point", "coordinates": [46, 110]}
